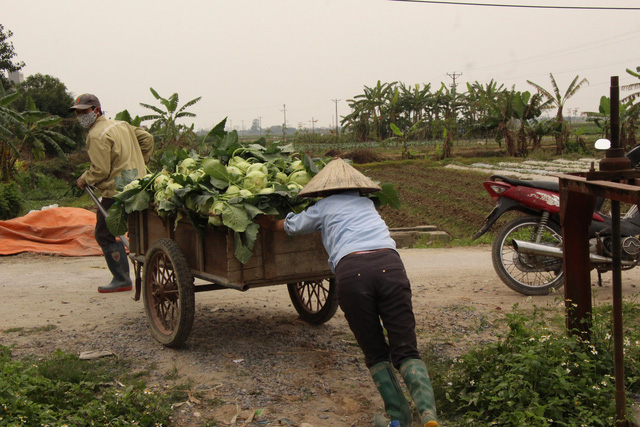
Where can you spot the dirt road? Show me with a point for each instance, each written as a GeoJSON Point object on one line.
{"type": "Point", "coordinates": [248, 350]}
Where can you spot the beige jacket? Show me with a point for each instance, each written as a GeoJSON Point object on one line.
{"type": "Point", "coordinates": [114, 147]}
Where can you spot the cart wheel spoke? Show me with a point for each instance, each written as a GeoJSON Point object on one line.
{"type": "Point", "coordinates": [314, 300]}
{"type": "Point", "coordinates": [168, 293]}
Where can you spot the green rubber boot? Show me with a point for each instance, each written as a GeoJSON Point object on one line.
{"type": "Point", "coordinates": [118, 264]}
{"type": "Point", "coordinates": [415, 375]}
{"type": "Point", "coordinates": [396, 406]}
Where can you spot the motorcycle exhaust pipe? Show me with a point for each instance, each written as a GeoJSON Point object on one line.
{"type": "Point", "coordinates": [538, 249]}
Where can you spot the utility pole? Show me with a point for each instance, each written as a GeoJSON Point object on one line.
{"type": "Point", "coordinates": [336, 102]}
{"type": "Point", "coordinates": [454, 76]}
{"type": "Point", "coordinates": [284, 124]}
{"type": "Point", "coordinates": [260, 124]}
{"type": "Point", "coordinates": [313, 127]}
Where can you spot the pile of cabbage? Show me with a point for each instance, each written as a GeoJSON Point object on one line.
{"type": "Point", "coordinates": [226, 183]}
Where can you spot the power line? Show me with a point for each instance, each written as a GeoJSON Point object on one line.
{"type": "Point", "coordinates": [529, 6]}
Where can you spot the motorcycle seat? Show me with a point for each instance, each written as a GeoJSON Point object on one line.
{"type": "Point", "coordinates": [544, 185]}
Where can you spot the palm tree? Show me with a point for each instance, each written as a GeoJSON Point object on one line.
{"type": "Point", "coordinates": [559, 100]}
{"type": "Point", "coordinates": [164, 124]}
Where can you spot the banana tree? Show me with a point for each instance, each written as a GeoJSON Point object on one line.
{"type": "Point", "coordinates": [601, 118]}
{"type": "Point", "coordinates": [404, 137]}
{"type": "Point", "coordinates": [558, 101]}
{"type": "Point", "coordinates": [500, 119]}
{"type": "Point", "coordinates": [632, 116]}
{"type": "Point", "coordinates": [371, 104]}
{"type": "Point", "coordinates": [633, 86]}
{"type": "Point", "coordinates": [164, 126]}
{"type": "Point", "coordinates": [526, 108]}
{"type": "Point", "coordinates": [478, 101]}
{"type": "Point", "coordinates": [27, 135]}
{"type": "Point", "coordinates": [9, 120]}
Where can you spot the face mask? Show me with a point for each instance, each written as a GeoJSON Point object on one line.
{"type": "Point", "coordinates": [86, 120]}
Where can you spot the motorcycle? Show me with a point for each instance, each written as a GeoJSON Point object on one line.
{"type": "Point", "coordinates": [527, 251]}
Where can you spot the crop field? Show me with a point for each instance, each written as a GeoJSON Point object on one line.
{"type": "Point", "coordinates": [451, 199]}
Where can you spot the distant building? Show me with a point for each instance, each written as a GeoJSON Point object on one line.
{"type": "Point", "coordinates": [16, 77]}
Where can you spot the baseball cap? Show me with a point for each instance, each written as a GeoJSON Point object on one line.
{"type": "Point", "coordinates": [84, 101]}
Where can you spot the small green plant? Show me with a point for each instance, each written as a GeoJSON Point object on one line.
{"type": "Point", "coordinates": [65, 390]}
{"type": "Point", "coordinates": [10, 201]}
{"type": "Point", "coordinates": [29, 331]}
{"type": "Point", "coordinates": [538, 376]}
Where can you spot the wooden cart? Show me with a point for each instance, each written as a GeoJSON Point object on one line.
{"type": "Point", "coordinates": [168, 258]}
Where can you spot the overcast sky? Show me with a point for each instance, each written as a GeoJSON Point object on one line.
{"type": "Point", "coordinates": [254, 59]}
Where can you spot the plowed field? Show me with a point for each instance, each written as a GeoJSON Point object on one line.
{"type": "Point", "coordinates": [451, 199]}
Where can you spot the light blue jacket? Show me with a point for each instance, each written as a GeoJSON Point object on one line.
{"type": "Point", "coordinates": [348, 223]}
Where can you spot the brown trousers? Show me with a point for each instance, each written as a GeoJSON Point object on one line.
{"type": "Point", "coordinates": [373, 287]}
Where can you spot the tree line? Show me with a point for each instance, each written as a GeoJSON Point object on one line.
{"type": "Point", "coordinates": [484, 110]}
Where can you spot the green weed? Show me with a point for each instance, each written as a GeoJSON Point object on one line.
{"type": "Point", "coordinates": [65, 390]}
{"type": "Point", "coordinates": [536, 375]}
{"type": "Point", "coordinates": [29, 331]}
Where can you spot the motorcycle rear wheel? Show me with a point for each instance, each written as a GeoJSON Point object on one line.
{"type": "Point", "coordinates": [524, 273]}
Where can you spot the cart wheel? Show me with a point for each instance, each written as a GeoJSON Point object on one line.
{"type": "Point", "coordinates": [168, 293]}
{"type": "Point", "coordinates": [314, 300]}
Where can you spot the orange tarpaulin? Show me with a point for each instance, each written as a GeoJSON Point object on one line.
{"type": "Point", "coordinates": [61, 231]}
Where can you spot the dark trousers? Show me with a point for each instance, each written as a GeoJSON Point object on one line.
{"type": "Point", "coordinates": [372, 287]}
{"type": "Point", "coordinates": [102, 234]}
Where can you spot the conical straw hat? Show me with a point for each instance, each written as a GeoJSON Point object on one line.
{"type": "Point", "coordinates": [338, 175]}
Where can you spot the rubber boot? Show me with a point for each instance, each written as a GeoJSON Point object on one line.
{"type": "Point", "coordinates": [415, 375]}
{"type": "Point", "coordinates": [118, 264]}
{"type": "Point", "coordinates": [395, 404]}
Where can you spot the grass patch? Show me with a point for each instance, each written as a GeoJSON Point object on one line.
{"type": "Point", "coordinates": [65, 390]}
{"type": "Point", "coordinates": [29, 331]}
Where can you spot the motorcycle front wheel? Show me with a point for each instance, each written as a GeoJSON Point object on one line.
{"type": "Point", "coordinates": [526, 273]}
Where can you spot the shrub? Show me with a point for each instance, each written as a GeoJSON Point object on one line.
{"type": "Point", "coordinates": [10, 202]}
{"type": "Point", "coordinates": [535, 376]}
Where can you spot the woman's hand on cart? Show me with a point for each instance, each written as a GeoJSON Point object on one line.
{"type": "Point", "coordinates": [270, 222]}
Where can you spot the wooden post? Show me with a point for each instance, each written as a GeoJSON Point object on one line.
{"type": "Point", "coordinates": [575, 216]}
